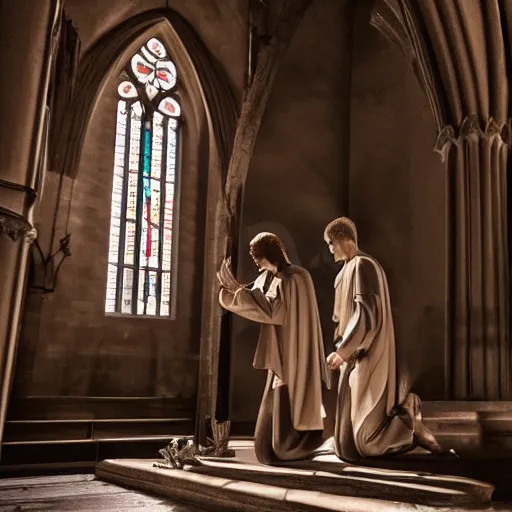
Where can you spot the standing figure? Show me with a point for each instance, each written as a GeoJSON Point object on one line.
{"type": "Point", "coordinates": [369, 421]}
{"type": "Point", "coordinates": [290, 346]}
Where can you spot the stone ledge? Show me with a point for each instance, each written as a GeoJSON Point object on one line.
{"type": "Point", "coordinates": [328, 474]}
{"type": "Point", "coordinates": [496, 422]}
{"type": "Point", "coordinates": [238, 494]}
{"type": "Point", "coordinates": [460, 430]}
{"type": "Point", "coordinates": [472, 426]}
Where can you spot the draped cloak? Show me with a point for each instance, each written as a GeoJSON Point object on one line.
{"type": "Point", "coordinates": [366, 425]}
{"type": "Point", "coordinates": [290, 343]}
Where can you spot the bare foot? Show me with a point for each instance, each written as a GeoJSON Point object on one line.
{"type": "Point", "coordinates": [422, 434]}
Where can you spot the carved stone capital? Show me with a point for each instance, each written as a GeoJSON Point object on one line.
{"type": "Point", "coordinates": [472, 126]}
{"type": "Point", "coordinates": [15, 226]}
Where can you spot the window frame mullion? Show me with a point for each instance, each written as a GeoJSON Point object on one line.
{"type": "Point", "coordinates": [161, 227]}
{"type": "Point", "coordinates": [138, 218]}
{"type": "Point", "coordinates": [173, 284]}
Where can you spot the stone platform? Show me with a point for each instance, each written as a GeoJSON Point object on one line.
{"type": "Point", "coordinates": [324, 484]}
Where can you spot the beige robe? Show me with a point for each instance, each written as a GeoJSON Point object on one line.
{"type": "Point", "coordinates": [290, 347]}
{"type": "Point", "coordinates": [366, 423]}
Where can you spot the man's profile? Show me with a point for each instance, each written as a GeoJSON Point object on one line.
{"type": "Point", "coordinates": [290, 347]}
{"type": "Point", "coordinates": [369, 421]}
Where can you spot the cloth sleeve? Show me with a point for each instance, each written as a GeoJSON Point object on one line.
{"type": "Point", "coordinates": [254, 305]}
{"type": "Point", "coordinates": [366, 311]}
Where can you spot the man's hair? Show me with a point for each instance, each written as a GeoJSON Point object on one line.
{"type": "Point", "coordinates": [341, 228]}
{"type": "Point", "coordinates": [269, 246]}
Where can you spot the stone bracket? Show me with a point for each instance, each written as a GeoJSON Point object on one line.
{"type": "Point", "coordinates": [15, 226]}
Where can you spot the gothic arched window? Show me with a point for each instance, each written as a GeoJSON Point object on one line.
{"type": "Point", "coordinates": [145, 173]}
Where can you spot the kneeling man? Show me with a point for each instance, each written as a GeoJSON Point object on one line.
{"type": "Point", "coordinates": [290, 346]}
{"type": "Point", "coordinates": [369, 421]}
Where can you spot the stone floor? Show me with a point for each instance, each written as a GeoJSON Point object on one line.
{"type": "Point", "coordinates": [242, 484]}
{"type": "Point", "coordinates": [82, 493]}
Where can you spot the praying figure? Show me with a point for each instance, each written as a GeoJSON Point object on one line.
{"type": "Point", "coordinates": [290, 347]}
{"type": "Point", "coordinates": [369, 420]}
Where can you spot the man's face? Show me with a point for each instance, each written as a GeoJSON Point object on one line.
{"type": "Point", "coordinates": [263, 263]}
{"type": "Point", "coordinates": [339, 249]}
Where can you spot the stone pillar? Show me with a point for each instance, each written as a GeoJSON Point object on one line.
{"type": "Point", "coordinates": [28, 33]}
{"type": "Point", "coordinates": [464, 75]}
{"type": "Point", "coordinates": [478, 280]}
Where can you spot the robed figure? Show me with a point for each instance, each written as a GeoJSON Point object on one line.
{"type": "Point", "coordinates": [369, 420]}
{"type": "Point", "coordinates": [290, 347]}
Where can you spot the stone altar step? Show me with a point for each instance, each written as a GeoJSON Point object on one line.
{"type": "Point", "coordinates": [460, 430]}
{"type": "Point", "coordinates": [285, 490]}
{"type": "Point", "coordinates": [350, 480]}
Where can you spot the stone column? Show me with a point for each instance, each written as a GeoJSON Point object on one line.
{"type": "Point", "coordinates": [478, 280]}
{"type": "Point", "coordinates": [465, 78]}
{"type": "Point", "coordinates": [28, 33]}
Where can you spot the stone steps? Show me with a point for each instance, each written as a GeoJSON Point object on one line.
{"type": "Point", "coordinates": [242, 488]}
{"type": "Point", "coordinates": [334, 477]}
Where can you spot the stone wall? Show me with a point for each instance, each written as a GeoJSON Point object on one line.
{"type": "Point", "coordinates": [68, 346]}
{"type": "Point", "coordinates": [296, 179]}
{"type": "Point", "coordinates": [350, 132]}
{"type": "Point", "coordinates": [397, 198]}
{"type": "Point", "coordinates": [346, 130]}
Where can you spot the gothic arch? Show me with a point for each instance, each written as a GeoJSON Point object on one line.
{"type": "Point", "coordinates": [201, 74]}
{"type": "Point", "coordinates": [210, 93]}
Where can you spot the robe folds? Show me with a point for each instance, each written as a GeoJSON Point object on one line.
{"type": "Point", "coordinates": [366, 420]}
{"type": "Point", "coordinates": [290, 347]}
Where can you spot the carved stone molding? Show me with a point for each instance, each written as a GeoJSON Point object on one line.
{"type": "Point", "coordinates": [192, 58]}
{"type": "Point", "coordinates": [16, 227]}
{"type": "Point", "coordinates": [472, 126]}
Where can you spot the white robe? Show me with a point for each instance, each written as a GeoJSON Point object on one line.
{"type": "Point", "coordinates": [366, 425]}
{"type": "Point", "coordinates": [290, 347]}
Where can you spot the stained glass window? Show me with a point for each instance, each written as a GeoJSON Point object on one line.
{"type": "Point", "coordinates": [143, 191]}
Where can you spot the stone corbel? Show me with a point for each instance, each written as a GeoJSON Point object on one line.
{"type": "Point", "coordinates": [16, 227]}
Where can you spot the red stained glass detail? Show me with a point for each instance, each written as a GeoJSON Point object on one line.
{"type": "Point", "coordinates": [170, 107]}
{"type": "Point", "coordinates": [155, 48]}
{"type": "Point", "coordinates": [143, 69]}
{"type": "Point", "coordinates": [162, 75]}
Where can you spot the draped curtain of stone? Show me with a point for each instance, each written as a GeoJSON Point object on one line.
{"type": "Point", "coordinates": [460, 50]}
